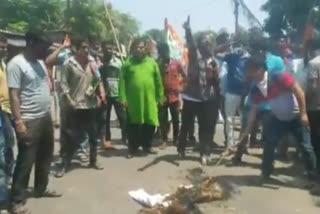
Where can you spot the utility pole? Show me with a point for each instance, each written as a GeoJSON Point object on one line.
{"type": "Point", "coordinates": [236, 14]}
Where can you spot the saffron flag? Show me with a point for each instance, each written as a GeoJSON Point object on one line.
{"type": "Point", "coordinates": [177, 49]}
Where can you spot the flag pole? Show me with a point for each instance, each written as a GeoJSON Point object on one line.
{"type": "Point", "coordinates": [112, 28]}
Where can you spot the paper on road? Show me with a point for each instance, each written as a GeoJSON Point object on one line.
{"type": "Point", "coordinates": [148, 200]}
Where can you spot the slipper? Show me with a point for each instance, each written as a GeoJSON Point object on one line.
{"type": "Point", "coordinates": [48, 194]}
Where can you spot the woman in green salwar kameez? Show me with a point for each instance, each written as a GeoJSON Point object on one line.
{"type": "Point", "coordinates": [141, 91]}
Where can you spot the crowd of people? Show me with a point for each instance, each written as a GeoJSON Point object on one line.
{"type": "Point", "coordinates": [266, 84]}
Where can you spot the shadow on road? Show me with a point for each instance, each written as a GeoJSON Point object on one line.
{"type": "Point", "coordinates": [172, 159]}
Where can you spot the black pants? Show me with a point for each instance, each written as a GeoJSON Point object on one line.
{"type": "Point", "coordinates": [36, 147]}
{"type": "Point", "coordinates": [204, 112]}
{"type": "Point", "coordinates": [223, 113]}
{"type": "Point", "coordinates": [213, 115]}
{"type": "Point", "coordinates": [314, 118]}
{"type": "Point", "coordinates": [140, 135]}
{"type": "Point", "coordinates": [121, 115]}
{"type": "Point", "coordinates": [163, 115]}
{"type": "Point", "coordinates": [80, 122]}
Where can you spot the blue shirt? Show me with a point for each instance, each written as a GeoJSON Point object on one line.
{"type": "Point", "coordinates": [236, 77]}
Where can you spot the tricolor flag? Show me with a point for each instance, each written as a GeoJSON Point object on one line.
{"type": "Point", "coordinates": [178, 51]}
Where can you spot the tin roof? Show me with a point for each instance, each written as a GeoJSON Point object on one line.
{"type": "Point", "coordinates": [14, 38]}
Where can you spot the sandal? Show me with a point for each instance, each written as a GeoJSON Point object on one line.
{"type": "Point", "coordinates": [48, 194]}
{"type": "Point", "coordinates": [96, 166]}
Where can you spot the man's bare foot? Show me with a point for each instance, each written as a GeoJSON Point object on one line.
{"type": "Point", "coordinates": [107, 145]}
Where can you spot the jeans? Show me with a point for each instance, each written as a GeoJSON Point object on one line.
{"type": "Point", "coordinates": [3, 169]}
{"type": "Point", "coordinates": [204, 112]}
{"type": "Point", "coordinates": [10, 138]}
{"type": "Point", "coordinates": [263, 116]}
{"type": "Point", "coordinates": [35, 148]}
{"type": "Point", "coordinates": [81, 122]}
{"type": "Point", "coordinates": [163, 115]}
{"type": "Point", "coordinates": [275, 130]}
{"type": "Point", "coordinates": [140, 135]}
{"type": "Point", "coordinates": [104, 116]}
{"type": "Point", "coordinates": [232, 103]}
{"type": "Point", "coordinates": [314, 118]}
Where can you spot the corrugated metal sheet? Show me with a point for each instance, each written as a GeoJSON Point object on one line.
{"type": "Point", "coordinates": [14, 39]}
{"type": "Point", "coordinates": [6, 32]}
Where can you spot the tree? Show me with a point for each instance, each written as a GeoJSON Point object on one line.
{"type": "Point", "coordinates": [87, 20]}
{"type": "Point", "coordinates": [246, 36]}
{"type": "Point", "coordinates": [157, 35]}
{"type": "Point", "coordinates": [23, 15]}
{"type": "Point", "coordinates": [80, 17]}
{"type": "Point", "coordinates": [288, 17]}
{"type": "Point", "coordinates": [126, 25]}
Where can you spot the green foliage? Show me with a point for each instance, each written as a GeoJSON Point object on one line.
{"type": "Point", "coordinates": [288, 17]}
{"type": "Point", "coordinates": [246, 36]}
{"type": "Point", "coordinates": [86, 18]}
{"type": "Point", "coordinates": [23, 15]}
{"type": "Point", "coordinates": [157, 35]}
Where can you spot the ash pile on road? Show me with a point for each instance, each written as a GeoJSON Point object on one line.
{"type": "Point", "coordinates": [203, 189]}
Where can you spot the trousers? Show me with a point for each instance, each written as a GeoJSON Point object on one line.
{"type": "Point", "coordinates": [35, 148]}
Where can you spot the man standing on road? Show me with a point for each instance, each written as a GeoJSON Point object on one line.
{"type": "Point", "coordinates": [82, 95]}
{"type": "Point", "coordinates": [141, 91]}
{"type": "Point", "coordinates": [200, 95]}
{"type": "Point", "coordinates": [313, 96]}
{"type": "Point", "coordinates": [110, 73]}
{"type": "Point", "coordinates": [236, 88]}
{"type": "Point", "coordinates": [288, 107]}
{"type": "Point", "coordinates": [30, 101]}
